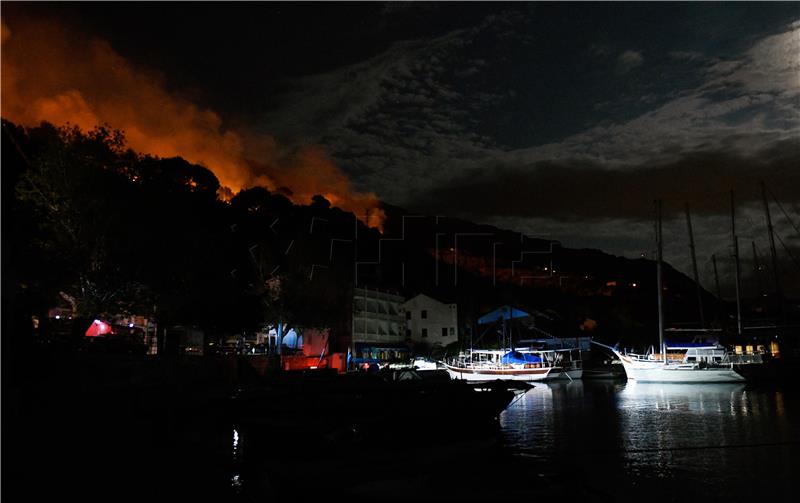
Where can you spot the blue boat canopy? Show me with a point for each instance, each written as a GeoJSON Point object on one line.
{"type": "Point", "coordinates": [502, 313]}
{"type": "Point", "coordinates": [517, 357]}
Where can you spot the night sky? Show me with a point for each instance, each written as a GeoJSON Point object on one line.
{"type": "Point", "coordinates": [558, 120]}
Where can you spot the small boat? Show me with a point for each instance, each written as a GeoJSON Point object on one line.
{"type": "Point", "coordinates": [417, 363]}
{"type": "Point", "coordinates": [423, 363]}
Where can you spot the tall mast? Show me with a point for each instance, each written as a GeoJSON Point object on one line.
{"type": "Point", "coordinates": [778, 291]}
{"type": "Point", "coordinates": [504, 333]}
{"type": "Point", "coordinates": [716, 283]}
{"type": "Point", "coordinates": [735, 244]}
{"type": "Point", "coordinates": [694, 269]}
{"type": "Point", "coordinates": [511, 328]}
{"type": "Point", "coordinates": [757, 270]}
{"type": "Point", "coordinates": [659, 281]}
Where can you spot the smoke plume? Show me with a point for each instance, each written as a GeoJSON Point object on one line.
{"type": "Point", "coordinates": [52, 74]}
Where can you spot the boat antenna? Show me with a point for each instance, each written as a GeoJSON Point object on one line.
{"type": "Point", "coordinates": [694, 269]}
{"type": "Point", "coordinates": [659, 280]}
{"type": "Point", "coordinates": [735, 246]}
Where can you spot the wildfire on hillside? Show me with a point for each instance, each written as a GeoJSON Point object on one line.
{"type": "Point", "coordinates": [50, 74]}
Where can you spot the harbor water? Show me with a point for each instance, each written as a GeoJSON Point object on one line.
{"type": "Point", "coordinates": [590, 440]}
{"type": "Point", "coordinates": [629, 441]}
{"type": "Point", "coordinates": [587, 440]}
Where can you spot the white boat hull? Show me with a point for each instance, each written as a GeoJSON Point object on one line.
{"type": "Point", "coordinates": [482, 375]}
{"type": "Point", "coordinates": [684, 376]}
{"type": "Point", "coordinates": [661, 372]}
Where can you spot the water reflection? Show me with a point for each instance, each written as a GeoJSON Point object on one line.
{"type": "Point", "coordinates": [679, 395]}
{"type": "Point", "coordinates": [604, 439]}
{"type": "Point", "coordinates": [236, 478]}
{"type": "Point", "coordinates": [716, 440]}
{"type": "Point", "coordinates": [659, 420]}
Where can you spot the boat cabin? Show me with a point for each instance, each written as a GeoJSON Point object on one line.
{"type": "Point", "coordinates": [707, 354]}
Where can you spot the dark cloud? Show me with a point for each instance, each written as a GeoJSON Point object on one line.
{"type": "Point", "coordinates": [584, 190]}
{"type": "Point", "coordinates": [429, 110]}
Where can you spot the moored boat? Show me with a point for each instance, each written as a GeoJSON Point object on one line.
{"type": "Point", "coordinates": [687, 363]}
{"type": "Point", "coordinates": [679, 363]}
{"type": "Point", "coordinates": [521, 365]}
{"type": "Point", "coordinates": [528, 364]}
{"type": "Point", "coordinates": [489, 364]}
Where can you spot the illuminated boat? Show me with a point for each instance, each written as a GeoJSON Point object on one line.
{"type": "Point", "coordinates": [686, 363]}
{"type": "Point", "coordinates": [520, 364]}
{"type": "Point", "coordinates": [524, 365]}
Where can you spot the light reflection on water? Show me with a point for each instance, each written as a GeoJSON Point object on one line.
{"type": "Point", "coordinates": [715, 440]}
{"type": "Point", "coordinates": [236, 478]}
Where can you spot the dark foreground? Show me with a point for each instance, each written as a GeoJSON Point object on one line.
{"type": "Point", "coordinates": [127, 429]}
{"type": "Point", "coordinates": [106, 427]}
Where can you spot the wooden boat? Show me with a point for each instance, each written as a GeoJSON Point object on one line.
{"type": "Point", "coordinates": [526, 365]}
{"type": "Point", "coordinates": [514, 364]}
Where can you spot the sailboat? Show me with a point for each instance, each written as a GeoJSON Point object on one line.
{"type": "Point", "coordinates": [522, 364]}
{"type": "Point", "coordinates": [684, 363]}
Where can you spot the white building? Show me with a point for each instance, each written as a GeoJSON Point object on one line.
{"type": "Point", "coordinates": [431, 321]}
{"type": "Point", "coordinates": [378, 325]}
